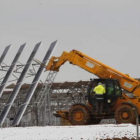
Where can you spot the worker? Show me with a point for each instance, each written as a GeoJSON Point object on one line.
{"type": "Point", "coordinates": [99, 96]}
{"type": "Point", "coordinates": [110, 90]}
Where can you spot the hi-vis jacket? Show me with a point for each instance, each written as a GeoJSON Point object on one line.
{"type": "Point", "coordinates": [99, 91]}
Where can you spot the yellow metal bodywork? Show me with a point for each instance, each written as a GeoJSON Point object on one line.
{"type": "Point", "coordinates": [102, 71]}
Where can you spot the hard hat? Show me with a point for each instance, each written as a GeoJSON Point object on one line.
{"type": "Point", "coordinates": [99, 83]}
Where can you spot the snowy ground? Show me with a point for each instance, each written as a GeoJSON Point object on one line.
{"type": "Point", "coordinates": [91, 132]}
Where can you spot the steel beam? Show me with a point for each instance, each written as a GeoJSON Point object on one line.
{"type": "Point", "coordinates": [4, 53]}
{"type": "Point", "coordinates": [10, 70]}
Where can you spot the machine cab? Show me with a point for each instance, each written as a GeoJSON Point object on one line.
{"type": "Point", "coordinates": [112, 90]}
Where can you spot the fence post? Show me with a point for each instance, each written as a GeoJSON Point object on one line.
{"type": "Point", "coordinates": [137, 122]}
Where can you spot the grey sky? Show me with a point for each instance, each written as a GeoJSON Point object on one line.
{"type": "Point", "coordinates": [106, 30]}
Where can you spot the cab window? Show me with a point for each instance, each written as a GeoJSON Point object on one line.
{"type": "Point", "coordinates": [117, 89]}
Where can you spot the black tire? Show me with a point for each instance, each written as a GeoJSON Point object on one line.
{"type": "Point", "coordinates": [79, 115]}
{"type": "Point", "coordinates": [125, 114]}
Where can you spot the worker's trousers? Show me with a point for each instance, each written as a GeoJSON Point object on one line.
{"type": "Point", "coordinates": [99, 107]}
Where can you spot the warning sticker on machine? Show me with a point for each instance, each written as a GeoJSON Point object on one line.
{"type": "Point", "coordinates": [127, 85]}
{"type": "Point", "coordinates": [90, 65]}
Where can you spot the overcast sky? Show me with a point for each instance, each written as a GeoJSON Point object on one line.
{"type": "Point", "coordinates": [106, 30]}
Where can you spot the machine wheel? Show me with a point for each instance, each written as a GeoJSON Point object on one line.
{"type": "Point", "coordinates": [125, 114]}
{"type": "Point", "coordinates": [79, 115]}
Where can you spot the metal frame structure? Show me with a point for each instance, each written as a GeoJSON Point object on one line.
{"type": "Point", "coordinates": [18, 69]}
{"type": "Point", "coordinates": [33, 86]}
{"type": "Point", "coordinates": [60, 98]}
{"type": "Point", "coordinates": [17, 86]}
{"type": "Point", "coordinates": [43, 96]}
{"type": "Point", "coordinates": [15, 68]}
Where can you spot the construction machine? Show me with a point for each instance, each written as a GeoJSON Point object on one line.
{"type": "Point", "coordinates": [122, 104]}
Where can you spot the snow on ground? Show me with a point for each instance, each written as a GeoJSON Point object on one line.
{"type": "Point", "coordinates": [89, 132]}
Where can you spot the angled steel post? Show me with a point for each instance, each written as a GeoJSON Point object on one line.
{"type": "Point", "coordinates": [16, 89]}
{"type": "Point", "coordinates": [4, 53]}
{"type": "Point", "coordinates": [10, 70]}
{"type": "Point", "coordinates": [33, 86]}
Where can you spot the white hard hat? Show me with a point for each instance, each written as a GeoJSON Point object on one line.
{"type": "Point", "coordinates": [99, 83]}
